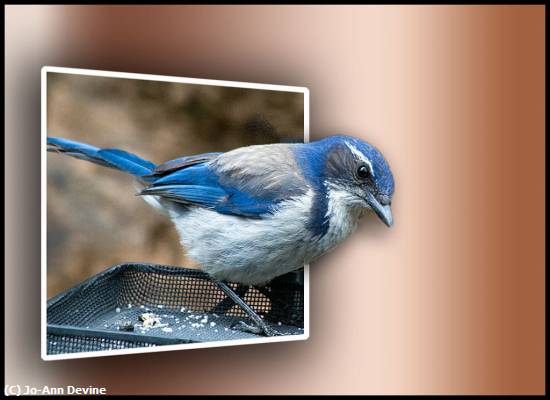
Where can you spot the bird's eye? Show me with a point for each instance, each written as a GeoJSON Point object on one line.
{"type": "Point", "coordinates": [363, 172]}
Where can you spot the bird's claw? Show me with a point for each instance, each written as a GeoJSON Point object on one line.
{"type": "Point", "coordinates": [257, 330]}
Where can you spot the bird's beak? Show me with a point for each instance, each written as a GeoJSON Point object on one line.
{"type": "Point", "coordinates": [383, 212]}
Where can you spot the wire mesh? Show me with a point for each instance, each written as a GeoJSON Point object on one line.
{"type": "Point", "coordinates": [141, 305]}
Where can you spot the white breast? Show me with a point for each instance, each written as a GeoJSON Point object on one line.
{"type": "Point", "coordinates": [343, 214]}
{"type": "Point", "coordinates": [248, 250]}
{"type": "Point", "coordinates": [254, 251]}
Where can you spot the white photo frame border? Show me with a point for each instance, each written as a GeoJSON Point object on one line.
{"type": "Point", "coordinates": [43, 256]}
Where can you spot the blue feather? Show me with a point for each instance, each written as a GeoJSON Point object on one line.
{"type": "Point", "coordinates": [243, 204]}
{"type": "Point", "coordinates": [113, 158]}
{"type": "Point", "coordinates": [199, 174]}
{"type": "Point", "coordinates": [235, 192]}
{"type": "Point", "coordinates": [183, 162]}
{"type": "Point", "coordinates": [223, 201]}
{"type": "Point", "coordinates": [188, 194]}
{"type": "Point", "coordinates": [311, 159]}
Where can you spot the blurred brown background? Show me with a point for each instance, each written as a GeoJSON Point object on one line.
{"type": "Point", "coordinates": [94, 219]}
{"type": "Point", "coordinates": [450, 300]}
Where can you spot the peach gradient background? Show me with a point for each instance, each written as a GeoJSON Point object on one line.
{"type": "Point", "coordinates": [450, 300]}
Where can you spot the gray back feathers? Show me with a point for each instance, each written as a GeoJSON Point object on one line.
{"type": "Point", "coordinates": [265, 171]}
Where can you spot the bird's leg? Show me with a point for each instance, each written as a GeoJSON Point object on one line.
{"type": "Point", "coordinates": [225, 305]}
{"type": "Point", "coordinates": [262, 327]}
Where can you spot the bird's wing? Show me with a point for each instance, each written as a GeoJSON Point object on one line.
{"type": "Point", "coordinates": [249, 181]}
{"type": "Point", "coordinates": [181, 163]}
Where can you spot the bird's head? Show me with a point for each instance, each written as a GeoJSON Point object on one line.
{"type": "Point", "coordinates": [359, 172]}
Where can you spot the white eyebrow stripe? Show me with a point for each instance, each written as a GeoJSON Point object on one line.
{"type": "Point", "coordinates": [361, 156]}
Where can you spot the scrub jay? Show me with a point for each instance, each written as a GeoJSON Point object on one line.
{"type": "Point", "coordinates": [256, 212]}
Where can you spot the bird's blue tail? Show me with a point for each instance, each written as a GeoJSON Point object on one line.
{"type": "Point", "coordinates": [112, 158]}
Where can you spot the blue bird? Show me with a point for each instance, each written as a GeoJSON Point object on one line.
{"type": "Point", "coordinates": [256, 212]}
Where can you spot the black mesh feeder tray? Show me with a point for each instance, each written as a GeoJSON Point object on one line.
{"type": "Point", "coordinates": [141, 305]}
